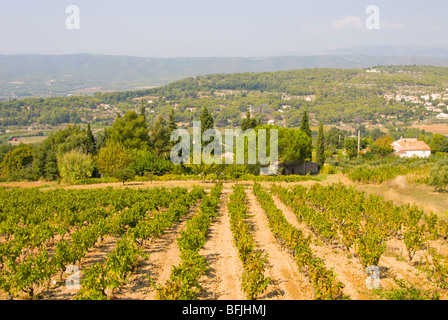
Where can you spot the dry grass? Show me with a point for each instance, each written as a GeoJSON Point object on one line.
{"type": "Point", "coordinates": [434, 128]}
{"type": "Point", "coordinates": [403, 190]}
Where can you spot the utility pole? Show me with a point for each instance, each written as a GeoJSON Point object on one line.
{"type": "Point", "coordinates": [359, 141]}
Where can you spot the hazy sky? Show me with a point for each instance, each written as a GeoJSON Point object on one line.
{"type": "Point", "coordinates": [209, 28]}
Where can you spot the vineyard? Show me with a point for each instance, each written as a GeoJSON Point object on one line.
{"type": "Point", "coordinates": [219, 241]}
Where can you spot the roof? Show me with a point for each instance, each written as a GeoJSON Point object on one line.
{"type": "Point", "coordinates": [410, 144]}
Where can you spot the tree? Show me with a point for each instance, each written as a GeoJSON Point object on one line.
{"type": "Point", "coordinates": [132, 131]}
{"type": "Point", "coordinates": [143, 109]}
{"type": "Point", "coordinates": [75, 165]}
{"type": "Point", "coordinates": [248, 122]}
{"type": "Point", "coordinates": [91, 143]}
{"type": "Point", "coordinates": [113, 157]}
{"type": "Point", "coordinates": [146, 162]}
{"type": "Point", "coordinates": [293, 145]}
{"type": "Point", "coordinates": [160, 136]}
{"type": "Point", "coordinates": [383, 145]}
{"type": "Point", "coordinates": [438, 178]}
{"type": "Point", "coordinates": [124, 174]}
{"type": "Point", "coordinates": [205, 169]}
{"type": "Point", "coordinates": [45, 155]}
{"type": "Point", "coordinates": [16, 159]}
{"type": "Point", "coordinates": [351, 147]}
{"type": "Point", "coordinates": [171, 122]}
{"type": "Point", "coordinates": [305, 124]}
{"type": "Point", "coordinates": [334, 139]}
{"type": "Point", "coordinates": [207, 121]}
{"type": "Point", "coordinates": [320, 147]}
{"type": "Point", "coordinates": [439, 143]}
{"type": "Point", "coordinates": [236, 171]}
{"type": "Point", "coordinates": [376, 133]}
{"type": "Point", "coordinates": [77, 140]}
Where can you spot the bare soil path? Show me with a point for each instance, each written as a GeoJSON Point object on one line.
{"type": "Point", "coordinates": [223, 280]}
{"type": "Point", "coordinates": [349, 271]}
{"type": "Point", "coordinates": [163, 255]}
{"type": "Point", "coordinates": [96, 254]}
{"type": "Point", "coordinates": [287, 282]}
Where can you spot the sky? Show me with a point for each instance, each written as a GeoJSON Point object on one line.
{"type": "Point", "coordinates": [210, 28]}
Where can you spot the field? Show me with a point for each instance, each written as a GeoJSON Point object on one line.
{"type": "Point", "coordinates": [434, 128]}
{"type": "Point", "coordinates": [168, 240]}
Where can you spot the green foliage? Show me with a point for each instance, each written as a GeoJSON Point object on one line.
{"type": "Point", "coordinates": [324, 280]}
{"type": "Point", "coordinates": [253, 280]}
{"type": "Point", "coordinates": [124, 175]}
{"type": "Point", "coordinates": [45, 154]}
{"type": "Point", "coordinates": [320, 146]}
{"type": "Point", "coordinates": [91, 143]}
{"type": "Point", "coordinates": [236, 171]}
{"type": "Point", "coordinates": [385, 169]}
{"type": "Point", "coordinates": [383, 145]}
{"type": "Point", "coordinates": [113, 157]}
{"type": "Point", "coordinates": [146, 161]}
{"type": "Point", "coordinates": [207, 121]}
{"type": "Point", "coordinates": [370, 244]}
{"type": "Point", "coordinates": [184, 279]}
{"type": "Point", "coordinates": [86, 216]}
{"type": "Point", "coordinates": [249, 123]}
{"type": "Point", "coordinates": [75, 165]}
{"type": "Point", "coordinates": [305, 124]}
{"type": "Point", "coordinates": [407, 291]}
{"type": "Point", "coordinates": [351, 147]}
{"type": "Point", "coordinates": [94, 283]}
{"type": "Point", "coordinates": [439, 268]}
{"type": "Point", "coordinates": [414, 239]}
{"type": "Point", "coordinates": [131, 130]}
{"type": "Point", "coordinates": [16, 159]}
{"type": "Point", "coordinates": [438, 178]}
{"type": "Point", "coordinates": [439, 143]}
{"type": "Point", "coordinates": [293, 145]}
{"type": "Point", "coordinates": [160, 136]}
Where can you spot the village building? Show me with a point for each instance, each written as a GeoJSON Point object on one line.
{"type": "Point", "coordinates": [302, 168]}
{"type": "Point", "coordinates": [411, 147]}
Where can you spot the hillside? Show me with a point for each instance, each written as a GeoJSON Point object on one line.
{"type": "Point", "coordinates": [379, 96]}
{"type": "Point", "coordinates": [61, 75]}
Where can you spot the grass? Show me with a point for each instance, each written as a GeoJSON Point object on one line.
{"type": "Point", "coordinates": [29, 140]}
{"type": "Point", "coordinates": [407, 189]}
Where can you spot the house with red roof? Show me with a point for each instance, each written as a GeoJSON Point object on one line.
{"type": "Point", "coordinates": [411, 147]}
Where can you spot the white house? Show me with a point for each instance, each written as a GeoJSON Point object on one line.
{"type": "Point", "coordinates": [442, 116]}
{"type": "Point", "coordinates": [436, 96]}
{"type": "Point", "coordinates": [411, 147]}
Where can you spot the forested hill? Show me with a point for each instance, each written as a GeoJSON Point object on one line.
{"type": "Point", "coordinates": [60, 75]}
{"type": "Point", "coordinates": [331, 95]}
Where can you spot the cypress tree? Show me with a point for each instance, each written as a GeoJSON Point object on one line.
{"type": "Point", "coordinates": [171, 122]}
{"type": "Point", "coordinates": [249, 123]}
{"type": "Point", "coordinates": [160, 135]}
{"type": "Point", "coordinates": [207, 121]}
{"type": "Point", "coordinates": [91, 147]}
{"type": "Point", "coordinates": [143, 110]}
{"type": "Point", "coordinates": [305, 124]}
{"type": "Point", "coordinates": [320, 147]}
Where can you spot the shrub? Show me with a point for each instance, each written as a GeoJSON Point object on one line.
{"type": "Point", "coordinates": [75, 165]}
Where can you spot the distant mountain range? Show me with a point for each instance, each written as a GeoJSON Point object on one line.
{"type": "Point", "coordinates": [59, 75]}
